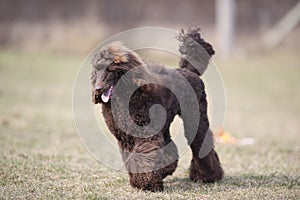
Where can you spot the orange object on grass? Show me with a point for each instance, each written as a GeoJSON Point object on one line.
{"type": "Point", "coordinates": [224, 137]}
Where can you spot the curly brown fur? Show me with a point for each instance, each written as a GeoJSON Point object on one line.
{"type": "Point", "coordinates": [196, 49]}
{"type": "Point", "coordinates": [147, 152]}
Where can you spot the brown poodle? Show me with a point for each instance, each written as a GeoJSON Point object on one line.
{"type": "Point", "coordinates": [147, 150]}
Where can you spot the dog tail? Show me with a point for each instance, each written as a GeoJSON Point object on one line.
{"type": "Point", "coordinates": [195, 51]}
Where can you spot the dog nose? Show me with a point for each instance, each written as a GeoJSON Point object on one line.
{"type": "Point", "coordinates": [98, 88]}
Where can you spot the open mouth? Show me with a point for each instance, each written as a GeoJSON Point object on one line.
{"type": "Point", "coordinates": [107, 94]}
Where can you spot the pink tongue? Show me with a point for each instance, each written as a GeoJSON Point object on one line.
{"type": "Point", "coordinates": [106, 95]}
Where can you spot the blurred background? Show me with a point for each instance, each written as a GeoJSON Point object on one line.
{"type": "Point", "coordinates": [74, 25]}
{"type": "Point", "coordinates": [44, 42]}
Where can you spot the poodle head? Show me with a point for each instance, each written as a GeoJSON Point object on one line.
{"type": "Point", "coordinates": [109, 65]}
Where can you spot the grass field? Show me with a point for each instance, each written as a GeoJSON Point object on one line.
{"type": "Point", "coordinates": [42, 156]}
